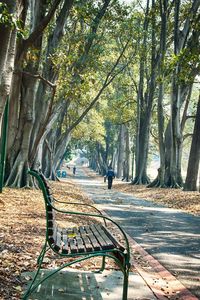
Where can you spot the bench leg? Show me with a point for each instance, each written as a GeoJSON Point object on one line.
{"type": "Point", "coordinates": [43, 251]}
{"type": "Point", "coordinates": [125, 286]}
{"type": "Point", "coordinates": [40, 260]}
{"type": "Point", "coordinates": [102, 265]}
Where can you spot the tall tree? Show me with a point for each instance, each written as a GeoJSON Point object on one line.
{"type": "Point", "coordinates": [180, 90]}
{"type": "Point", "coordinates": [23, 93]}
{"type": "Point", "coordinates": [164, 12]}
{"type": "Point", "coordinates": [145, 97]}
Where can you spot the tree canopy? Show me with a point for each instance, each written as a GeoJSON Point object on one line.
{"type": "Point", "coordinates": [118, 80]}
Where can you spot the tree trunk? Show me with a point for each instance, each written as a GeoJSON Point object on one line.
{"type": "Point", "coordinates": [7, 72]}
{"type": "Point", "coordinates": [21, 146]}
{"type": "Point", "coordinates": [177, 99]}
{"type": "Point", "coordinates": [194, 158]}
{"type": "Point", "coordinates": [121, 151]}
{"type": "Point", "coordinates": [18, 177]}
{"type": "Point", "coordinates": [127, 156]}
{"type": "Point", "coordinates": [159, 181]}
{"type": "Point", "coordinates": [145, 103]}
{"type": "Point", "coordinates": [59, 151]}
{"type": "Point", "coordinates": [141, 160]}
{"type": "Point", "coordinates": [140, 93]}
{"type": "Point", "coordinates": [7, 51]}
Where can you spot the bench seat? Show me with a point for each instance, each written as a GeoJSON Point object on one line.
{"type": "Point", "coordinates": [83, 239]}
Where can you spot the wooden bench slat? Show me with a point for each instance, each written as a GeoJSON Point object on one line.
{"type": "Point", "coordinates": [58, 241]}
{"type": "Point", "coordinates": [65, 247]}
{"type": "Point", "coordinates": [105, 237]}
{"type": "Point", "coordinates": [86, 241]}
{"type": "Point", "coordinates": [72, 245]}
{"type": "Point", "coordinates": [112, 238]}
{"type": "Point", "coordinates": [100, 239]}
{"type": "Point", "coordinates": [80, 245]}
{"type": "Point", "coordinates": [76, 231]}
{"type": "Point", "coordinates": [93, 239]}
{"type": "Point", "coordinates": [82, 230]}
{"type": "Point", "coordinates": [51, 214]}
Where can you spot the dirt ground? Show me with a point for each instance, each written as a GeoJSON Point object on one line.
{"type": "Point", "coordinates": [174, 198]}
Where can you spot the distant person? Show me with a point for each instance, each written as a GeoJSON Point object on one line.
{"type": "Point", "coordinates": [110, 175]}
{"type": "Point", "coordinates": [74, 170]}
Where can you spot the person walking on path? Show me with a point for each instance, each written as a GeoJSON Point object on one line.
{"type": "Point", "coordinates": [74, 170]}
{"type": "Point", "coordinates": [110, 175]}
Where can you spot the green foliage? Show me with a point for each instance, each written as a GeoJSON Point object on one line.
{"type": "Point", "coordinates": [68, 153]}
{"type": "Point", "coordinates": [9, 19]}
{"type": "Point", "coordinates": [82, 72]}
{"type": "Point", "coordinates": [121, 100]}
{"type": "Point", "coordinates": [5, 17]}
{"type": "Point", "coordinates": [91, 129]}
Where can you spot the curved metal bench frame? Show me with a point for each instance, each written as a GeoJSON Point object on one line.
{"type": "Point", "coordinates": [120, 256]}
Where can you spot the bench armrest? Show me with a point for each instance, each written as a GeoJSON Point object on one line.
{"type": "Point", "coordinates": [97, 216]}
{"type": "Point", "coordinates": [78, 203]}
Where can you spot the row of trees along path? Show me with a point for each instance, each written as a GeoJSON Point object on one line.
{"type": "Point", "coordinates": [105, 75]}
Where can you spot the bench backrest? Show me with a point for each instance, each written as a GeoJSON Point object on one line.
{"type": "Point", "coordinates": [48, 197]}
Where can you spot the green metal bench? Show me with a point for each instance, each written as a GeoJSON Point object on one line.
{"type": "Point", "coordinates": [80, 243]}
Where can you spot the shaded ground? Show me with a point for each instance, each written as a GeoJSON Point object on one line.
{"type": "Point", "coordinates": [74, 284]}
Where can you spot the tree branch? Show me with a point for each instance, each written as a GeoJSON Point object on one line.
{"type": "Point", "coordinates": [187, 135]}
{"type": "Point", "coordinates": [37, 76]}
{"type": "Point", "coordinates": [190, 117]}
{"type": "Point", "coordinates": [79, 64]}
{"type": "Point", "coordinates": [117, 61]}
{"type": "Point", "coordinates": [39, 29]}
{"type": "Point", "coordinates": [187, 25]}
{"type": "Point", "coordinates": [107, 81]}
{"type": "Point", "coordinates": [154, 136]}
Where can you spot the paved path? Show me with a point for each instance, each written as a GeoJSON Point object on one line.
{"type": "Point", "coordinates": [172, 237]}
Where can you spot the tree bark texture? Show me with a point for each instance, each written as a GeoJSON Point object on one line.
{"type": "Point", "coordinates": [194, 158]}
{"type": "Point", "coordinates": [126, 163]}
{"type": "Point", "coordinates": [121, 151]}
{"type": "Point", "coordinates": [8, 34]}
